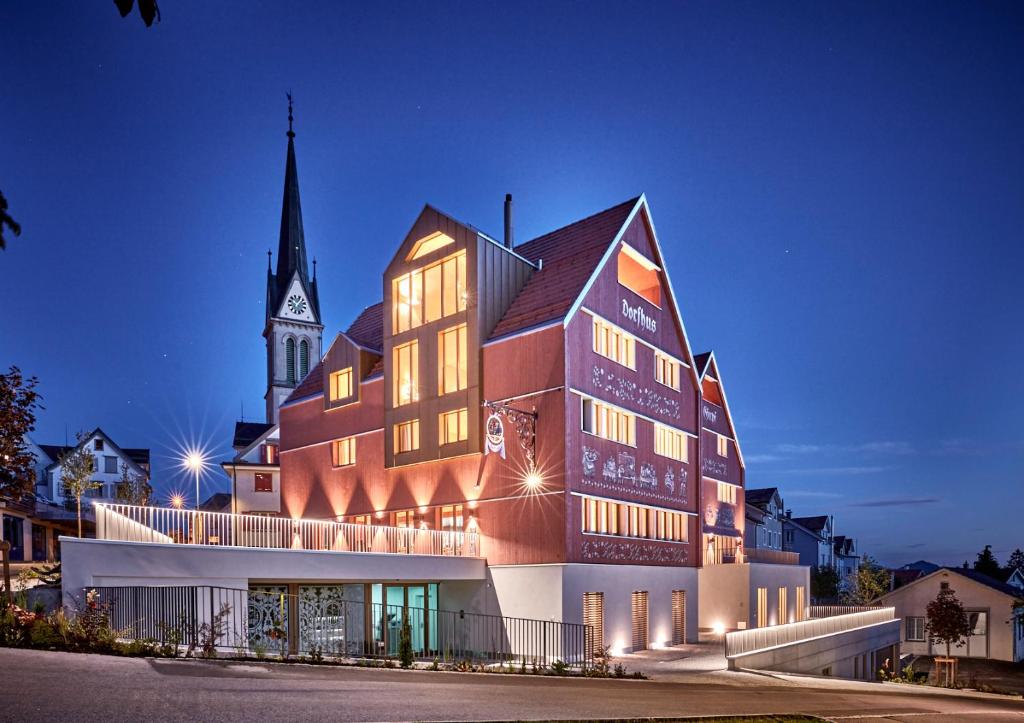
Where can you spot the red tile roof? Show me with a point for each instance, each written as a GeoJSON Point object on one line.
{"type": "Point", "coordinates": [378, 368]}
{"type": "Point", "coordinates": [368, 328]}
{"type": "Point", "coordinates": [312, 384]}
{"type": "Point", "coordinates": [570, 256]}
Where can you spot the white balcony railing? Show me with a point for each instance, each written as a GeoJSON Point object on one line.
{"type": "Point", "coordinates": [129, 523]}
{"type": "Point", "coordinates": [742, 642]}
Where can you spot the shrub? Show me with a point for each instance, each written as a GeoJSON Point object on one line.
{"type": "Point", "coordinates": [405, 645]}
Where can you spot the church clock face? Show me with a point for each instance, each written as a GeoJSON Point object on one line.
{"type": "Point", "coordinates": [296, 304]}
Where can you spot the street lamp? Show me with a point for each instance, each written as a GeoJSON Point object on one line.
{"type": "Point", "coordinates": [177, 501]}
{"type": "Point", "coordinates": [195, 461]}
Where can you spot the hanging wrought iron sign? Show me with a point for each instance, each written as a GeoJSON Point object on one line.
{"type": "Point", "coordinates": [495, 438]}
{"type": "Point", "coordinates": [525, 424]}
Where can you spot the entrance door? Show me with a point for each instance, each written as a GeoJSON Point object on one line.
{"type": "Point", "coordinates": [14, 534]}
{"type": "Point", "coordinates": [415, 604]}
{"type": "Point", "coordinates": [977, 644]}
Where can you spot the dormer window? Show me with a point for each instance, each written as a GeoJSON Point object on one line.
{"type": "Point", "coordinates": [428, 294]}
{"type": "Point", "coordinates": [341, 384]}
{"type": "Point", "coordinates": [639, 274]}
{"type": "Point", "coordinates": [430, 244]}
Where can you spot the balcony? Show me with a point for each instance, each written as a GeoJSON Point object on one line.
{"type": "Point", "coordinates": [127, 523]}
{"type": "Point", "coordinates": [771, 557]}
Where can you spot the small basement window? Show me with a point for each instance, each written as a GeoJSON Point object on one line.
{"type": "Point", "coordinates": [639, 274]}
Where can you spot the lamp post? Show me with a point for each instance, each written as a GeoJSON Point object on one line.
{"type": "Point", "coordinates": [195, 461]}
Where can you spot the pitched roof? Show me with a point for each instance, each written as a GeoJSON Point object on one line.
{"type": "Point", "coordinates": [570, 255]}
{"type": "Point", "coordinates": [983, 579]}
{"type": "Point", "coordinates": [700, 362]}
{"type": "Point", "coordinates": [760, 496]}
{"type": "Point", "coordinates": [312, 383]}
{"type": "Point", "coordinates": [138, 455]}
{"type": "Point", "coordinates": [216, 502]}
{"type": "Point", "coordinates": [368, 328]}
{"type": "Point", "coordinates": [815, 524]}
{"type": "Point", "coordinates": [922, 565]}
{"type": "Point", "coordinates": [248, 432]}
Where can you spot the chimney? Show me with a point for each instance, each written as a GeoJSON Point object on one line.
{"type": "Point", "coordinates": [789, 514]}
{"type": "Point", "coordinates": [508, 220]}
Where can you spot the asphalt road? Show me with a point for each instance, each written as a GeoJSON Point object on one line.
{"type": "Point", "coordinates": [66, 687]}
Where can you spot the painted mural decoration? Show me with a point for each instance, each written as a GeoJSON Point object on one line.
{"type": "Point", "coordinates": [720, 515]}
{"type": "Point", "coordinates": [626, 390]}
{"type": "Point", "coordinates": [495, 437]}
{"type": "Point", "coordinates": [620, 551]}
{"type": "Point", "coordinates": [620, 470]}
{"type": "Point", "coordinates": [648, 477]}
{"type": "Point", "coordinates": [715, 467]}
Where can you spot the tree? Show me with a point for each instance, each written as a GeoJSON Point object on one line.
{"type": "Point", "coordinates": [18, 402]}
{"type": "Point", "coordinates": [133, 488]}
{"type": "Point", "coordinates": [1015, 561]}
{"type": "Point", "coordinates": [76, 470]}
{"type": "Point", "coordinates": [867, 584]}
{"type": "Point", "coordinates": [6, 220]}
{"type": "Point", "coordinates": [947, 621]}
{"type": "Point", "coordinates": [987, 563]}
{"type": "Point", "coordinates": [148, 10]}
{"type": "Point", "coordinates": [824, 583]}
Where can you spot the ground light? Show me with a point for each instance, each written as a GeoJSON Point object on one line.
{"type": "Point", "coordinates": [718, 629]}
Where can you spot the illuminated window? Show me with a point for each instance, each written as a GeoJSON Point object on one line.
{"type": "Point", "coordinates": [343, 452]}
{"type": "Point", "coordinates": [405, 518]}
{"type": "Point", "coordinates": [624, 519]}
{"type": "Point", "coordinates": [783, 606]}
{"type": "Point", "coordinates": [604, 420]}
{"type": "Point", "coordinates": [762, 607]}
{"type": "Point", "coordinates": [270, 454]}
{"type": "Point", "coordinates": [723, 446]}
{"type": "Point", "coordinates": [451, 518]}
{"type": "Point", "coordinates": [407, 436]}
{"type": "Point", "coordinates": [670, 443]}
{"type": "Point", "coordinates": [405, 371]}
{"type": "Point", "coordinates": [801, 604]}
{"type": "Point", "coordinates": [264, 482]}
{"type": "Point", "coordinates": [727, 493]}
{"type": "Point", "coordinates": [430, 293]}
{"type": "Point", "coordinates": [612, 342]}
{"type": "Point", "coordinates": [639, 274]}
{"type": "Point", "coordinates": [666, 370]}
{"type": "Point", "coordinates": [452, 426]}
{"type": "Point", "coordinates": [341, 384]}
{"type": "Point", "coordinates": [430, 244]}
{"type": "Point", "coordinates": [451, 360]}
{"type": "Point", "coordinates": [362, 520]}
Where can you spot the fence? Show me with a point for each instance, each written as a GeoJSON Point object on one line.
{"type": "Point", "coordinates": [168, 525]}
{"type": "Point", "coordinates": [324, 623]}
{"type": "Point", "coordinates": [829, 611]}
{"type": "Point", "coordinates": [746, 641]}
{"type": "Point", "coordinates": [774, 557]}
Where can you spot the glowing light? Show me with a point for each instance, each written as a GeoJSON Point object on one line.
{"type": "Point", "coordinates": [533, 479]}
{"type": "Point", "coordinates": [380, 514]}
{"type": "Point", "coordinates": [423, 510]}
{"type": "Point", "coordinates": [471, 525]}
{"type": "Point", "coordinates": [617, 650]}
{"type": "Point", "coordinates": [177, 501]}
{"type": "Point", "coordinates": [472, 504]}
{"type": "Point", "coordinates": [194, 460]}
{"type": "Point", "coordinates": [718, 628]}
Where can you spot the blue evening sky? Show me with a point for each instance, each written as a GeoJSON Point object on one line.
{"type": "Point", "coordinates": [839, 190]}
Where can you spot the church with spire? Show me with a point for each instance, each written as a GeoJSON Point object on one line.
{"type": "Point", "coordinates": [292, 327]}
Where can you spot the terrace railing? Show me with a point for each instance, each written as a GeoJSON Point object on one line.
{"type": "Point", "coordinates": [829, 611]}
{"type": "Point", "coordinates": [130, 523]}
{"type": "Point", "coordinates": [742, 642]}
{"type": "Point", "coordinates": [774, 557]}
{"type": "Point", "coordinates": [266, 623]}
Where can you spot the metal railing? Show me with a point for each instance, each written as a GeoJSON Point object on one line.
{"type": "Point", "coordinates": [774, 557]}
{"type": "Point", "coordinates": [828, 611]}
{"type": "Point", "coordinates": [743, 642]}
{"type": "Point", "coordinates": [254, 622]}
{"type": "Point", "coordinates": [167, 525]}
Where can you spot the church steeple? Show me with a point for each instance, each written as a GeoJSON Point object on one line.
{"type": "Point", "coordinates": [292, 329]}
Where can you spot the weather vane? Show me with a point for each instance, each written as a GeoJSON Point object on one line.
{"type": "Point", "coordinates": [291, 133]}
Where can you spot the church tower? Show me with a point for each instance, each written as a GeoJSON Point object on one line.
{"type": "Point", "coordinates": [293, 330]}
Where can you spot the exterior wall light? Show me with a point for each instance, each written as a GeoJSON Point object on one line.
{"type": "Point", "coordinates": [533, 479]}
{"type": "Point", "coordinates": [718, 629]}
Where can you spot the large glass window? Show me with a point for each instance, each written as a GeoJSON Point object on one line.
{"type": "Point", "coordinates": [453, 426]}
{"type": "Point", "coordinates": [407, 436]}
{"type": "Point", "coordinates": [612, 342]}
{"type": "Point", "coordinates": [727, 493]}
{"type": "Point", "coordinates": [451, 360]}
{"type": "Point", "coordinates": [670, 443]}
{"type": "Point", "coordinates": [604, 420]}
{"type": "Point", "coordinates": [666, 370]}
{"type": "Point", "coordinates": [341, 384]}
{"type": "Point", "coordinates": [451, 518]}
{"type": "Point", "coordinates": [405, 371]}
{"type": "Point", "coordinates": [624, 519]}
{"type": "Point", "coordinates": [430, 293]}
{"type": "Point", "coordinates": [639, 274]}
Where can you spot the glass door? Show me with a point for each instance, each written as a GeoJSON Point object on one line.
{"type": "Point", "coordinates": [393, 615]}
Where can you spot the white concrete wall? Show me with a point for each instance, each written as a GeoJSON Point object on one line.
{"type": "Point", "coordinates": [729, 593]}
{"type": "Point", "coordinates": [555, 592]}
{"type": "Point", "coordinates": [90, 563]}
{"type": "Point", "coordinates": [247, 499]}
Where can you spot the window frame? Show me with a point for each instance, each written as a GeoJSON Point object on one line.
{"type": "Point", "coordinates": [454, 266]}
{"type": "Point", "coordinates": [256, 482]}
{"type": "Point", "coordinates": [918, 620]}
{"type": "Point", "coordinates": [461, 367]}
{"type": "Point", "coordinates": [663, 431]}
{"type": "Point", "coordinates": [346, 444]}
{"type": "Point", "coordinates": [461, 426]}
{"type": "Point", "coordinates": [413, 348]}
{"type": "Point", "coordinates": [333, 384]}
{"type": "Point", "coordinates": [605, 336]}
{"type": "Point", "coordinates": [414, 436]}
{"type": "Point", "coordinates": [663, 362]}
{"type": "Point", "coordinates": [605, 416]}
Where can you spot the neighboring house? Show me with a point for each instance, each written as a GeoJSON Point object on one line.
{"type": "Point", "coordinates": [998, 629]}
{"type": "Point", "coordinates": [844, 551]}
{"type": "Point", "coordinates": [255, 470]}
{"type": "Point", "coordinates": [217, 502]}
{"type": "Point", "coordinates": [1016, 579]}
{"type": "Point", "coordinates": [811, 538]}
{"type": "Point", "coordinates": [764, 519]}
{"type": "Point", "coordinates": [911, 571]}
{"type": "Point", "coordinates": [33, 525]}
